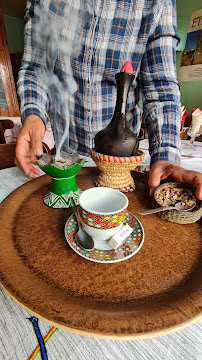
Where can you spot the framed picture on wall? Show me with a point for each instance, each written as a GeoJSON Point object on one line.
{"type": "Point", "coordinates": [191, 63]}
{"type": "Point", "coordinates": [9, 106]}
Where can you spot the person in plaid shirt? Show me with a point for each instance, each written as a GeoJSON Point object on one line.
{"type": "Point", "coordinates": [109, 33]}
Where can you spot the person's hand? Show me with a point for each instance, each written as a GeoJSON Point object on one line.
{"type": "Point", "coordinates": [29, 145]}
{"type": "Point", "coordinates": [163, 169]}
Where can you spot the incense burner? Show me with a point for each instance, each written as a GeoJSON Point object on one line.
{"type": "Point", "coordinates": [63, 183]}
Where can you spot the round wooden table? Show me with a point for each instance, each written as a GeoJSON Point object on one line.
{"type": "Point", "coordinates": [156, 291]}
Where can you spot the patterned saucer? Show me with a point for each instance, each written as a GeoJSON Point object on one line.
{"type": "Point", "coordinates": [128, 248]}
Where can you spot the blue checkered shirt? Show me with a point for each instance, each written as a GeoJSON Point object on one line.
{"type": "Point", "coordinates": [110, 32]}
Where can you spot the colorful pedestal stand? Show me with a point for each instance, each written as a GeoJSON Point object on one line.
{"type": "Point", "coordinates": [63, 185]}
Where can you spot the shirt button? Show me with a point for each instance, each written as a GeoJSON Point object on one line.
{"type": "Point", "coordinates": [88, 113]}
{"type": "Point", "coordinates": [88, 85]}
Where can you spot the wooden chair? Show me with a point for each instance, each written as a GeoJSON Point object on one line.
{"type": "Point", "coordinates": [5, 124]}
{"type": "Point", "coordinates": [7, 155]}
{"type": "Point", "coordinates": [7, 150]}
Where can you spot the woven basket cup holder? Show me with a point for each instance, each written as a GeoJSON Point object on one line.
{"type": "Point", "coordinates": [115, 170]}
{"type": "Point", "coordinates": [176, 216]}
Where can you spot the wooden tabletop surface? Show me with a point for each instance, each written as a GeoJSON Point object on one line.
{"type": "Point", "coordinates": [156, 291]}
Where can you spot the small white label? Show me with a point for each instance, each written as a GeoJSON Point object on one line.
{"type": "Point", "coordinates": [117, 239]}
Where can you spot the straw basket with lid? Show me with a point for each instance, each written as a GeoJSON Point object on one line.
{"type": "Point", "coordinates": [116, 146]}
{"type": "Point", "coordinates": [179, 192]}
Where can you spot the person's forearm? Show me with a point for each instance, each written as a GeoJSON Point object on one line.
{"type": "Point", "coordinates": [31, 103]}
{"type": "Point", "coordinates": [162, 114]}
{"type": "Point", "coordinates": [32, 87]}
{"type": "Point", "coordinates": [162, 123]}
{"type": "Point", "coordinates": [36, 120]}
{"type": "Point", "coordinates": [161, 94]}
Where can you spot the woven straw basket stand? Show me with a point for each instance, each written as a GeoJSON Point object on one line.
{"type": "Point", "coordinates": [115, 170]}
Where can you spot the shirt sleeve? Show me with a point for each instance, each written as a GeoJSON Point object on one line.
{"type": "Point", "coordinates": [32, 88]}
{"type": "Point", "coordinates": [160, 88]}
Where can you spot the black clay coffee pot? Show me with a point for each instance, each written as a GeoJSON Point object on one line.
{"type": "Point", "coordinates": [117, 139]}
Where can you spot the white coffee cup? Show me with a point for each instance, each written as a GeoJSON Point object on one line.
{"type": "Point", "coordinates": [102, 211]}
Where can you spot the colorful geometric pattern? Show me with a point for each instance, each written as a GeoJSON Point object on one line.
{"type": "Point", "coordinates": [45, 339]}
{"type": "Point", "coordinates": [128, 248]}
{"type": "Point", "coordinates": [102, 221]}
{"type": "Point", "coordinates": [61, 201]}
{"type": "Point", "coordinates": [118, 159]}
{"type": "Point", "coordinates": [40, 339]}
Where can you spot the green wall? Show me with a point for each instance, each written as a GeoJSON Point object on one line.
{"type": "Point", "coordinates": [191, 93]}
{"type": "Point", "coordinates": [14, 32]}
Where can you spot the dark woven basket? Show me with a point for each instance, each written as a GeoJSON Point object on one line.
{"type": "Point", "coordinates": [176, 216]}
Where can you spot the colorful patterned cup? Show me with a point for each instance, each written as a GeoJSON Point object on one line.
{"type": "Point", "coordinates": [102, 211]}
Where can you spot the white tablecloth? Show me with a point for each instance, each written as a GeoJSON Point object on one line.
{"type": "Point", "coordinates": [191, 157]}
{"type": "Point", "coordinates": [18, 340]}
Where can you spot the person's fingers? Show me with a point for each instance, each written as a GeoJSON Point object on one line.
{"type": "Point", "coordinates": [28, 169]}
{"type": "Point", "coordinates": [37, 146]}
{"type": "Point", "coordinates": [159, 171]}
{"type": "Point", "coordinates": [154, 177]}
{"type": "Point", "coordinates": [37, 131]}
{"type": "Point", "coordinates": [24, 157]}
{"type": "Point", "coordinates": [191, 177]}
{"type": "Point", "coordinates": [199, 191]}
{"type": "Point", "coordinates": [29, 145]}
{"type": "Point", "coordinates": [163, 169]}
